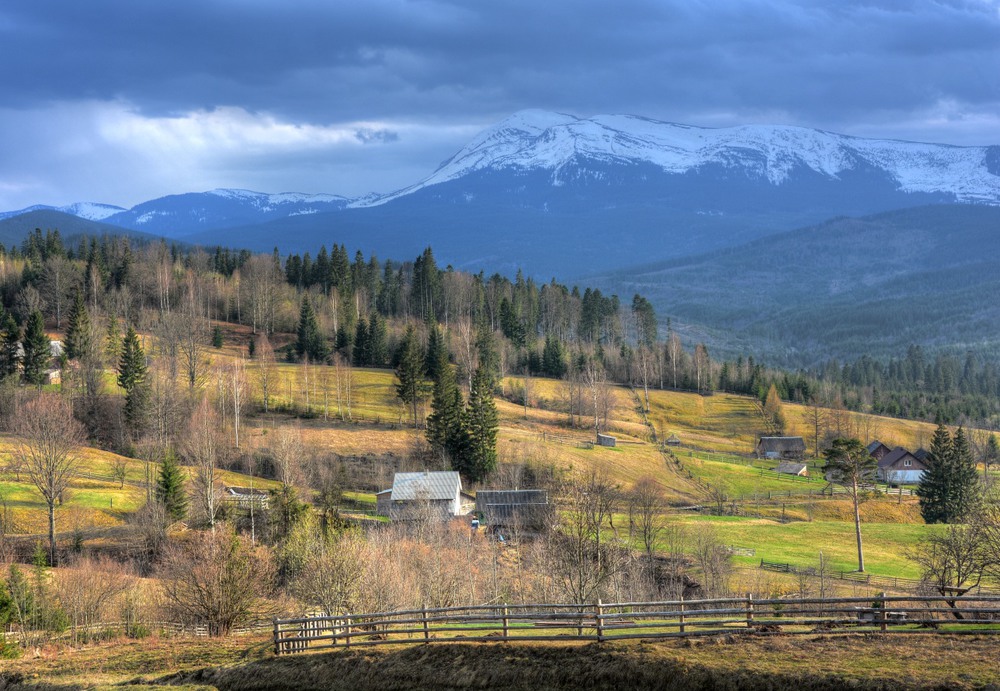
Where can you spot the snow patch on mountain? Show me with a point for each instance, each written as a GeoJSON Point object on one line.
{"type": "Point", "coordinates": [88, 210]}
{"type": "Point", "coordinates": [91, 211]}
{"type": "Point", "coordinates": [262, 199]}
{"type": "Point", "coordinates": [540, 140]}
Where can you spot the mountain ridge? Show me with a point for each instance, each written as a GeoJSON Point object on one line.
{"type": "Point", "coordinates": [567, 148]}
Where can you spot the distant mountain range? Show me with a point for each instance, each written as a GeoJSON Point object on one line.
{"type": "Point", "coordinates": [562, 196]}
{"type": "Point", "coordinates": [549, 193]}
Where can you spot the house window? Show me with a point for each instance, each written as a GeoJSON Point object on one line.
{"type": "Point", "coordinates": [906, 463]}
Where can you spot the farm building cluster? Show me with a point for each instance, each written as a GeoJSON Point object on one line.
{"type": "Point", "coordinates": [438, 496]}
{"type": "Point", "coordinates": [896, 466]}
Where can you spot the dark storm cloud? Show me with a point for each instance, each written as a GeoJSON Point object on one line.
{"type": "Point", "coordinates": [123, 100]}
{"type": "Point", "coordinates": [336, 61]}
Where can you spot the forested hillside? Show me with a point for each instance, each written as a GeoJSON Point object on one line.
{"type": "Point", "coordinates": [841, 289]}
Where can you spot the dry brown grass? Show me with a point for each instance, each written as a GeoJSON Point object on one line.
{"type": "Point", "coordinates": [803, 662]}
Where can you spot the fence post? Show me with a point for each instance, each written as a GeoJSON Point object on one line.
{"type": "Point", "coordinates": [682, 614]}
{"type": "Point", "coordinates": [749, 610]}
{"type": "Point", "coordinates": [506, 623]}
{"type": "Point", "coordinates": [423, 617]}
{"type": "Point", "coordinates": [599, 618]}
{"type": "Point", "coordinates": [881, 611]}
{"type": "Point", "coordinates": [277, 638]}
{"type": "Point", "coordinates": [347, 631]}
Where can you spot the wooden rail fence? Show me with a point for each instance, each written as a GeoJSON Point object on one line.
{"type": "Point", "coordinates": [617, 621]}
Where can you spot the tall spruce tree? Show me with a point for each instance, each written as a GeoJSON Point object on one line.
{"type": "Point", "coordinates": [410, 386]}
{"type": "Point", "coordinates": [445, 424]}
{"type": "Point", "coordinates": [553, 358]}
{"type": "Point", "coordinates": [132, 378]}
{"type": "Point", "coordinates": [489, 359]}
{"type": "Point", "coordinates": [36, 352]}
{"type": "Point", "coordinates": [378, 342]}
{"type": "Point", "coordinates": [964, 491]}
{"type": "Point", "coordinates": [132, 363]}
{"type": "Point", "coordinates": [361, 355]}
{"type": "Point", "coordinates": [10, 339]}
{"type": "Point", "coordinates": [481, 424]}
{"type": "Point", "coordinates": [436, 358]}
{"type": "Point", "coordinates": [170, 489]}
{"type": "Point", "coordinates": [310, 342]}
{"type": "Point", "coordinates": [933, 490]}
{"type": "Point", "coordinates": [78, 329]}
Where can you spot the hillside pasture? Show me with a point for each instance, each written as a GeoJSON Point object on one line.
{"type": "Point", "coordinates": [798, 543]}
{"type": "Point", "coordinates": [721, 422]}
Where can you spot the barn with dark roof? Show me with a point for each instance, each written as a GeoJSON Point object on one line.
{"type": "Point", "coordinates": [781, 448]}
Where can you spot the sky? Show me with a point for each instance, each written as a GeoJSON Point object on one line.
{"type": "Point", "coordinates": [121, 101]}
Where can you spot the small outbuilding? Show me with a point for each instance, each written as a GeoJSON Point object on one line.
{"type": "Point", "coordinates": [523, 509]}
{"type": "Point", "coordinates": [606, 440]}
{"type": "Point", "coordinates": [877, 450]}
{"type": "Point", "coordinates": [781, 448]}
{"type": "Point", "coordinates": [793, 468]}
{"type": "Point", "coordinates": [673, 440]}
{"type": "Point", "coordinates": [244, 497]}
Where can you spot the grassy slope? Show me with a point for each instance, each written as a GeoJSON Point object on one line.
{"type": "Point", "coordinates": [542, 435]}
{"type": "Point", "coordinates": [94, 500]}
{"type": "Point", "coordinates": [800, 542]}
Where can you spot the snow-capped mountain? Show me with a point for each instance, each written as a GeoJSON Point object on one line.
{"type": "Point", "coordinates": [564, 148]}
{"type": "Point", "coordinates": [183, 214]}
{"type": "Point", "coordinates": [87, 210]}
{"type": "Point", "coordinates": [553, 193]}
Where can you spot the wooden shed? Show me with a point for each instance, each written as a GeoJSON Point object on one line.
{"type": "Point", "coordinates": [793, 468]}
{"type": "Point", "coordinates": [782, 448]}
{"type": "Point", "coordinates": [527, 509]}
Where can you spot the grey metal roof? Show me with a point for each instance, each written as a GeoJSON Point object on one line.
{"type": "Point", "coordinates": [488, 497]}
{"type": "Point", "coordinates": [791, 468]}
{"type": "Point", "coordinates": [432, 486]}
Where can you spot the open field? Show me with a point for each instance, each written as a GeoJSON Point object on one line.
{"type": "Point", "coordinates": [799, 542]}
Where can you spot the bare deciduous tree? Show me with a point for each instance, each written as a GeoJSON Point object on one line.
{"type": "Point", "coordinates": [192, 346]}
{"type": "Point", "coordinates": [201, 449]}
{"type": "Point", "coordinates": [236, 380]}
{"type": "Point", "coordinates": [646, 505]}
{"type": "Point", "coordinates": [266, 371]}
{"type": "Point", "coordinates": [954, 562]}
{"type": "Point", "coordinates": [332, 575]}
{"type": "Point", "coordinates": [217, 579]}
{"type": "Point", "coordinates": [46, 449]}
{"type": "Point", "coordinates": [287, 450]}
{"type": "Point", "coordinates": [88, 588]}
{"type": "Point", "coordinates": [714, 560]}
